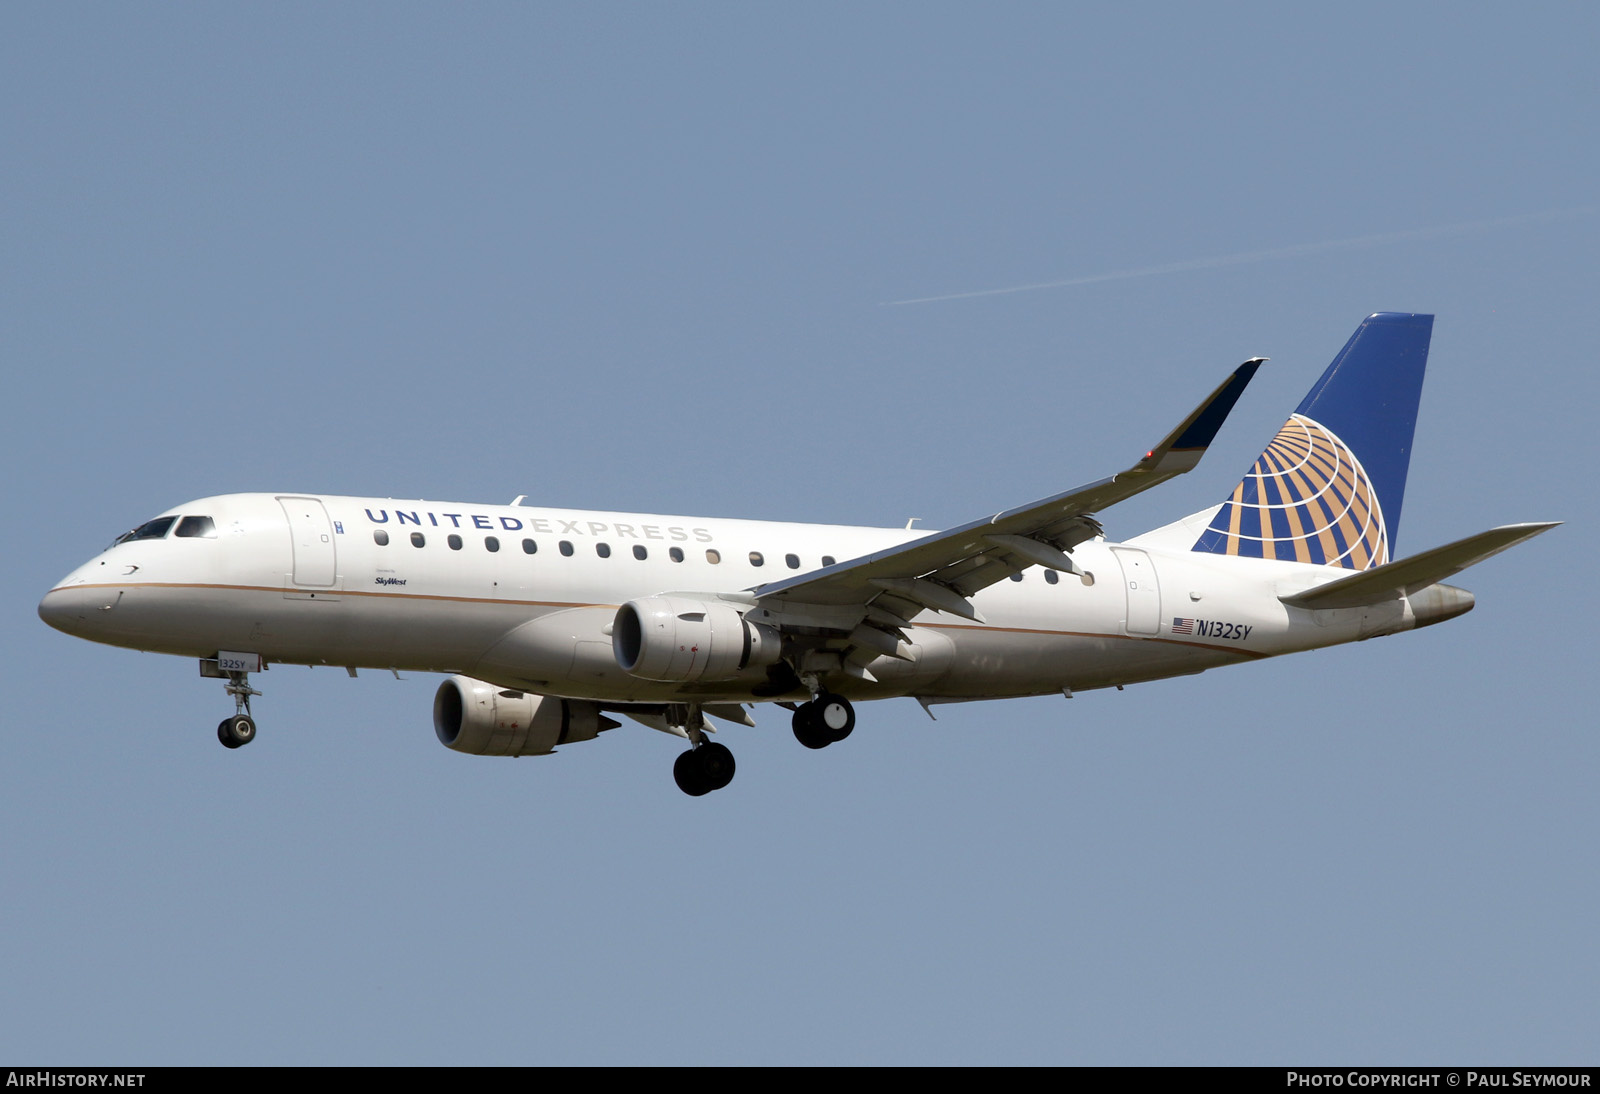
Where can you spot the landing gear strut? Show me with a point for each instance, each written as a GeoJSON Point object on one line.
{"type": "Point", "coordinates": [825, 719]}
{"type": "Point", "coordinates": [240, 729]}
{"type": "Point", "coordinates": [707, 766]}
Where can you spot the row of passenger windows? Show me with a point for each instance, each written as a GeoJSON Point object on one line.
{"type": "Point", "coordinates": [640, 551]}
{"type": "Point", "coordinates": [205, 528]}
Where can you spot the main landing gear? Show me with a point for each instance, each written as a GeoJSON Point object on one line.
{"type": "Point", "coordinates": [709, 766]}
{"type": "Point", "coordinates": [825, 719]}
{"type": "Point", "coordinates": [239, 729]}
{"type": "Point", "coordinates": [705, 767]}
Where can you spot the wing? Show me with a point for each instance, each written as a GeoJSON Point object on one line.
{"type": "Point", "coordinates": [869, 598]}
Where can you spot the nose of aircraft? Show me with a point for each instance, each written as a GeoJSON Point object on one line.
{"type": "Point", "coordinates": [68, 609]}
{"type": "Point", "coordinates": [58, 608]}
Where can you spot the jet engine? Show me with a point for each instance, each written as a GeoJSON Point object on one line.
{"type": "Point", "coordinates": [472, 716]}
{"type": "Point", "coordinates": [679, 640]}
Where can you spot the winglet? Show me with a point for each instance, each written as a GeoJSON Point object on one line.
{"type": "Point", "coordinates": [1183, 447]}
{"type": "Point", "coordinates": [943, 570]}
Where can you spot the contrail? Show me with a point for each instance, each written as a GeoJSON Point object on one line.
{"type": "Point", "coordinates": [1243, 257]}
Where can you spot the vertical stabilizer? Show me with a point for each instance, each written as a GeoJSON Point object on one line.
{"type": "Point", "coordinates": [1328, 489]}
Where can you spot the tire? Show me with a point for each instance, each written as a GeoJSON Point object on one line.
{"type": "Point", "coordinates": [686, 773]}
{"type": "Point", "coordinates": [236, 732]}
{"type": "Point", "coordinates": [808, 728]}
{"type": "Point", "coordinates": [716, 765]}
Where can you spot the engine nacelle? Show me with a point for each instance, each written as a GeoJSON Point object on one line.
{"type": "Point", "coordinates": [472, 716]}
{"type": "Point", "coordinates": [678, 639]}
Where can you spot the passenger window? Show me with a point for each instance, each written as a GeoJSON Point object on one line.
{"type": "Point", "coordinates": [603, 550]}
{"type": "Point", "coordinates": [639, 552]}
{"type": "Point", "coordinates": [454, 541]}
{"type": "Point", "coordinates": [793, 561]}
{"type": "Point", "coordinates": [380, 537]}
{"type": "Point", "coordinates": [675, 554]}
{"type": "Point", "coordinates": [827, 560]}
{"type": "Point", "coordinates": [566, 547]}
{"type": "Point", "coordinates": [756, 559]}
{"type": "Point", "coordinates": [529, 547]}
{"type": "Point", "coordinates": [417, 539]}
{"type": "Point", "coordinates": [196, 528]}
{"type": "Point", "coordinates": [713, 555]}
{"type": "Point", "coordinates": [491, 544]}
{"type": "Point", "coordinates": [1051, 577]}
{"type": "Point", "coordinates": [1016, 577]}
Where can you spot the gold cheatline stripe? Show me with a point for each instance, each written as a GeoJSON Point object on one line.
{"type": "Point", "coordinates": [1092, 634]}
{"type": "Point", "coordinates": [555, 604]}
{"type": "Point", "coordinates": [332, 592]}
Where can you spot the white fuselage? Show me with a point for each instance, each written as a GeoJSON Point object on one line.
{"type": "Point", "coordinates": [303, 579]}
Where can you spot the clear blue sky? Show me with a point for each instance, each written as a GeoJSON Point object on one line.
{"type": "Point", "coordinates": [636, 257]}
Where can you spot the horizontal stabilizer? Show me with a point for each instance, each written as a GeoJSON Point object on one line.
{"type": "Point", "coordinates": [1396, 579]}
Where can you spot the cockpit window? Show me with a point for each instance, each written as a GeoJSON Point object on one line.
{"type": "Point", "coordinates": [196, 528]}
{"type": "Point", "coordinates": [150, 529]}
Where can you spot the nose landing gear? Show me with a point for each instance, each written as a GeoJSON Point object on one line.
{"type": "Point", "coordinates": [240, 729]}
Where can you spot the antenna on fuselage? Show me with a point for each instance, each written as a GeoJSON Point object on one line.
{"type": "Point", "coordinates": [519, 499]}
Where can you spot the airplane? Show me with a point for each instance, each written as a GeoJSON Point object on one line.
{"type": "Point", "coordinates": [551, 620]}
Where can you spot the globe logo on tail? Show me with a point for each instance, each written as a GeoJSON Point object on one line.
{"type": "Point", "coordinates": [1307, 499]}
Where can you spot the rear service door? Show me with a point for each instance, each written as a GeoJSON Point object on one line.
{"type": "Point", "coordinates": [1144, 594]}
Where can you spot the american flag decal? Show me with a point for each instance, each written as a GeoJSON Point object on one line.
{"type": "Point", "coordinates": [1183, 626]}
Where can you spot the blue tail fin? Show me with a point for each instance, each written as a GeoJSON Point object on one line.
{"type": "Point", "coordinates": [1328, 488]}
